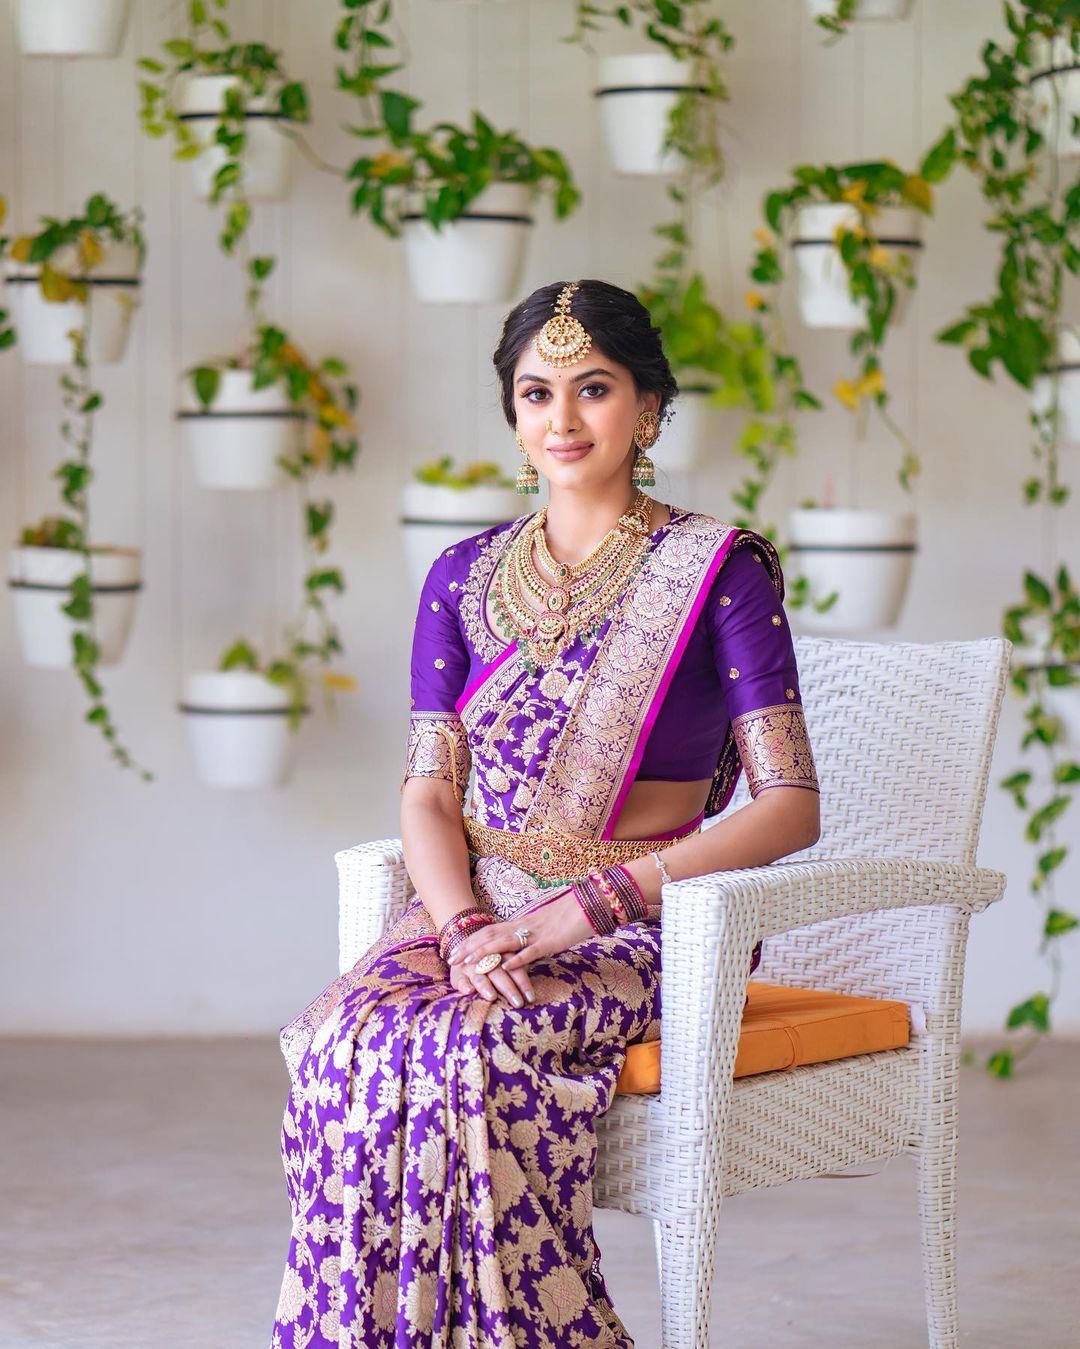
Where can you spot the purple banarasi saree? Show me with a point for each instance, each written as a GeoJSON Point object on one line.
{"type": "Point", "coordinates": [439, 1149]}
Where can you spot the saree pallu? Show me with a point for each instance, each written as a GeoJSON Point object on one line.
{"type": "Point", "coordinates": [439, 1149]}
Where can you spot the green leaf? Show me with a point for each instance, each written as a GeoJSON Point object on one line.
{"type": "Point", "coordinates": [1034, 1012]}
{"type": "Point", "coordinates": [1067, 772]}
{"type": "Point", "coordinates": [206, 380]}
{"type": "Point", "coordinates": [1000, 1064]}
{"type": "Point", "coordinates": [1036, 591]}
{"type": "Point", "coordinates": [1058, 922]}
{"type": "Point", "coordinates": [939, 159]}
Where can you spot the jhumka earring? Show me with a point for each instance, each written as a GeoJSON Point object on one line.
{"type": "Point", "coordinates": [528, 480]}
{"type": "Point", "coordinates": [646, 434]}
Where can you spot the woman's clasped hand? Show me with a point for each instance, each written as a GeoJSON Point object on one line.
{"type": "Point", "coordinates": [552, 926]}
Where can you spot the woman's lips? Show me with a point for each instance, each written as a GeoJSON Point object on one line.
{"type": "Point", "coordinates": [568, 456]}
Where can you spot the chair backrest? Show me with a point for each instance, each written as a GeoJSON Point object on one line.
{"type": "Point", "coordinates": [902, 734]}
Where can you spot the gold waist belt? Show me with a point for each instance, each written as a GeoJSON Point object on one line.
{"type": "Point", "coordinates": [552, 856]}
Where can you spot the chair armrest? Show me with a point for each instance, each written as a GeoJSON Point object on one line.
{"type": "Point", "coordinates": [710, 925]}
{"type": "Point", "coordinates": [373, 888]}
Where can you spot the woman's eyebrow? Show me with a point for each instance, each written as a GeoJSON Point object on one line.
{"type": "Point", "coordinates": [539, 379]}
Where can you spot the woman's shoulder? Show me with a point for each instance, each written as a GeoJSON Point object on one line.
{"type": "Point", "coordinates": [748, 556]}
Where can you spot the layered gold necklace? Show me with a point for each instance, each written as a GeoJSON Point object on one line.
{"type": "Point", "coordinates": [545, 605]}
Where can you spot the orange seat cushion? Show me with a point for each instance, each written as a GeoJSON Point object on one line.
{"type": "Point", "coordinates": [785, 1027]}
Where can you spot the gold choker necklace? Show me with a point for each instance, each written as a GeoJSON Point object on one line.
{"type": "Point", "coordinates": [545, 616]}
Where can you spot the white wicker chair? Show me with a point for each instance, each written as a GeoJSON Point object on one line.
{"type": "Point", "coordinates": [902, 734]}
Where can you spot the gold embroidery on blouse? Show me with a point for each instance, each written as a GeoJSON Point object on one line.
{"type": "Point", "coordinates": [789, 694]}
{"type": "Point", "coordinates": [437, 747]}
{"type": "Point", "coordinates": [724, 600]}
{"type": "Point", "coordinates": [776, 620]}
{"type": "Point", "coordinates": [440, 664]}
{"type": "Point", "coordinates": [733, 673]}
{"type": "Point", "coordinates": [452, 585]}
{"type": "Point", "coordinates": [435, 606]}
{"type": "Point", "coordinates": [774, 748]}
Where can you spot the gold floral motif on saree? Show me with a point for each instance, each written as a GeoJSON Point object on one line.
{"type": "Point", "coordinates": [474, 592]}
{"type": "Point", "coordinates": [774, 748]}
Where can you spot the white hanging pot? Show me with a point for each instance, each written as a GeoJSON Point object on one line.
{"type": "Point", "coordinates": [1055, 88]}
{"type": "Point", "coordinates": [268, 154]}
{"type": "Point", "coordinates": [694, 429]}
{"type": "Point", "coordinates": [236, 443]}
{"type": "Point", "coordinates": [39, 579]}
{"type": "Point", "coordinates": [476, 258]}
{"type": "Point", "coordinates": [435, 517]}
{"type": "Point", "coordinates": [114, 289]}
{"type": "Point", "coordinates": [636, 94]}
{"type": "Point", "coordinates": [888, 11]}
{"type": "Point", "coordinates": [1067, 367]}
{"type": "Point", "coordinates": [71, 27]}
{"type": "Point", "coordinates": [824, 298]}
{"type": "Point", "coordinates": [865, 556]}
{"type": "Point", "coordinates": [238, 730]}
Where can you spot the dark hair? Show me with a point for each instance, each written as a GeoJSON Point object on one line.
{"type": "Point", "coordinates": [615, 319]}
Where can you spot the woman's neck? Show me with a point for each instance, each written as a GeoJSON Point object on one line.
{"type": "Point", "coordinates": [576, 523]}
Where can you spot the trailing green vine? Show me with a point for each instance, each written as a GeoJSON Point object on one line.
{"type": "Point", "coordinates": [999, 136]}
{"type": "Point", "coordinates": [67, 252]}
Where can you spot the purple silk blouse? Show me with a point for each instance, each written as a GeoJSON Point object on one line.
{"type": "Point", "coordinates": [738, 660]}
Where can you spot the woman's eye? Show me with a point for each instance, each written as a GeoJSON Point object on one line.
{"type": "Point", "coordinates": [601, 388]}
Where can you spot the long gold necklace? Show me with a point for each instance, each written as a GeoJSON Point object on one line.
{"type": "Point", "coordinates": [544, 616]}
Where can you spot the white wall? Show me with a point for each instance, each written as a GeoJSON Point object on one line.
{"type": "Point", "coordinates": [130, 908]}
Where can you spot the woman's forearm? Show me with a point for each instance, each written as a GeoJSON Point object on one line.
{"type": "Point", "coordinates": [779, 821]}
{"type": "Point", "coordinates": [433, 841]}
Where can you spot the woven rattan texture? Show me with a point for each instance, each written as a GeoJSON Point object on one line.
{"type": "Point", "coordinates": [903, 736]}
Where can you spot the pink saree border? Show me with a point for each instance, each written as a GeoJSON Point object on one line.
{"type": "Point", "coordinates": [690, 619]}
{"type": "Point", "coordinates": [485, 674]}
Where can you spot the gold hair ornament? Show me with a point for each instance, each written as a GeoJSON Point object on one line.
{"type": "Point", "coordinates": [562, 340]}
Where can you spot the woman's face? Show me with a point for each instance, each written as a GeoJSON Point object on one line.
{"type": "Point", "coordinates": [591, 406]}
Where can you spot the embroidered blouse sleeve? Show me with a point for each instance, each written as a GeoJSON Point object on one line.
{"type": "Point", "coordinates": [437, 745]}
{"type": "Point", "coordinates": [755, 660]}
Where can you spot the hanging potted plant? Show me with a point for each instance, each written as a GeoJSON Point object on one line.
{"type": "Point", "coordinates": [43, 566]}
{"type": "Point", "coordinates": [71, 27]}
{"type": "Point", "coordinates": [55, 561]}
{"type": "Point", "coordinates": [656, 105]}
{"type": "Point", "coordinates": [443, 504]}
{"type": "Point", "coordinates": [461, 197]}
{"type": "Point", "coordinates": [82, 272]}
{"type": "Point", "coordinates": [462, 200]}
{"type": "Point", "coordinates": [228, 106]}
{"type": "Point", "coordinates": [861, 558]}
{"type": "Point", "coordinates": [837, 16]}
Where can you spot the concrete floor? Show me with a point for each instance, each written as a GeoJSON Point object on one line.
{"type": "Point", "coordinates": [143, 1208]}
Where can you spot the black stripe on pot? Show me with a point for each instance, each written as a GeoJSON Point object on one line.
{"type": "Point", "coordinates": [853, 547]}
{"type": "Point", "coordinates": [476, 215]}
{"type": "Point", "coordinates": [1065, 365]}
{"type": "Point", "coordinates": [287, 413]}
{"type": "Point", "coordinates": [831, 243]}
{"type": "Point", "coordinates": [237, 711]}
{"type": "Point", "coordinates": [222, 116]}
{"type": "Point", "coordinates": [83, 280]}
{"type": "Point", "coordinates": [421, 520]}
{"type": "Point", "coordinates": [1051, 70]}
{"type": "Point", "coordinates": [649, 89]}
{"type": "Point", "coordinates": [127, 588]}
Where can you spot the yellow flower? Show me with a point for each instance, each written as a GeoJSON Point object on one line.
{"type": "Point", "coordinates": [345, 683]}
{"type": "Point", "coordinates": [764, 237]}
{"type": "Point", "coordinates": [847, 394]}
{"type": "Point", "coordinates": [90, 251]}
{"type": "Point", "coordinates": [872, 384]}
{"type": "Point", "coordinates": [754, 300]}
{"type": "Point", "coordinates": [842, 231]}
{"type": "Point", "coordinates": [881, 257]}
{"type": "Point", "coordinates": [386, 163]}
{"type": "Point", "coordinates": [855, 192]}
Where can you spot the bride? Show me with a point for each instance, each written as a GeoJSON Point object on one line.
{"type": "Point", "coordinates": [589, 681]}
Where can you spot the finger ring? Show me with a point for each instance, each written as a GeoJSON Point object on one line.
{"type": "Point", "coordinates": [522, 934]}
{"type": "Point", "coordinates": [487, 963]}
